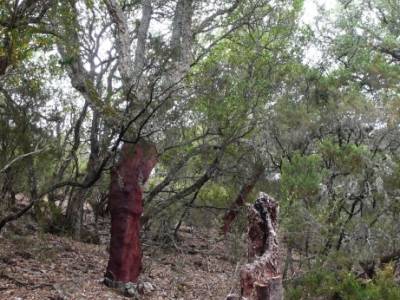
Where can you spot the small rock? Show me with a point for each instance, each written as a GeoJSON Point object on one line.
{"type": "Point", "coordinates": [148, 287]}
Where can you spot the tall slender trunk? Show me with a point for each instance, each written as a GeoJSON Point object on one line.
{"type": "Point", "coordinates": [126, 207]}
{"type": "Point", "coordinates": [74, 214]}
{"type": "Point", "coordinates": [7, 192]}
{"type": "Point", "coordinates": [241, 198]}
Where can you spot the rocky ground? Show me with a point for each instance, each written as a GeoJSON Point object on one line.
{"type": "Point", "coordinates": [44, 266]}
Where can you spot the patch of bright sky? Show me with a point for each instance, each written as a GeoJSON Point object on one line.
{"type": "Point", "coordinates": [310, 13]}
{"type": "Point", "coordinates": [311, 9]}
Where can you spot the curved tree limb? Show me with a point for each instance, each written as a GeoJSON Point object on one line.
{"type": "Point", "coordinates": [18, 158]}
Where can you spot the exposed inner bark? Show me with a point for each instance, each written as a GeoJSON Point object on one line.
{"type": "Point", "coordinates": [126, 207]}
{"type": "Point", "coordinates": [261, 278]}
{"type": "Point", "coordinates": [241, 199]}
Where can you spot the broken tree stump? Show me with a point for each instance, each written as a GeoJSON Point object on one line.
{"type": "Point", "coordinates": [261, 277]}
{"type": "Point", "coordinates": [126, 207]}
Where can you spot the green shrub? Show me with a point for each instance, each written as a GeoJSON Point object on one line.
{"type": "Point", "coordinates": [344, 285]}
{"type": "Point", "coordinates": [49, 217]}
{"type": "Point", "coordinates": [301, 176]}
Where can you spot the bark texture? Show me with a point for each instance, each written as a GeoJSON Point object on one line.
{"type": "Point", "coordinates": [126, 207]}
{"type": "Point", "coordinates": [74, 214]}
{"type": "Point", "coordinates": [241, 199]}
{"type": "Point", "coordinates": [261, 278]}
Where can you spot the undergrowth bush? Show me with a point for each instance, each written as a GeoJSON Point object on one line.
{"type": "Point", "coordinates": [50, 217]}
{"type": "Point", "coordinates": [344, 285]}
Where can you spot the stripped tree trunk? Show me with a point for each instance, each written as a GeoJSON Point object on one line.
{"type": "Point", "coordinates": [261, 278]}
{"type": "Point", "coordinates": [241, 199]}
{"type": "Point", "coordinates": [126, 207]}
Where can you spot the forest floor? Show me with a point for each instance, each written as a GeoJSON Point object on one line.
{"type": "Point", "coordinates": [44, 266]}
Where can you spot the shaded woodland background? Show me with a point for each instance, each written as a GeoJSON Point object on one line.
{"type": "Point", "coordinates": [238, 97]}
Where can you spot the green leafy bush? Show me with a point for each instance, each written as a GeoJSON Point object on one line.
{"type": "Point", "coordinates": [344, 285]}
{"type": "Point", "coordinates": [301, 176]}
{"type": "Point", "coordinates": [347, 158]}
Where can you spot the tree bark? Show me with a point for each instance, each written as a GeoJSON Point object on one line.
{"type": "Point", "coordinates": [241, 199]}
{"type": "Point", "coordinates": [261, 278]}
{"type": "Point", "coordinates": [74, 214]}
{"type": "Point", "coordinates": [7, 193]}
{"type": "Point", "coordinates": [126, 207]}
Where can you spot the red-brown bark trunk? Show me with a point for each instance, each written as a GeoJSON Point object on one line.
{"type": "Point", "coordinates": [126, 207]}
{"type": "Point", "coordinates": [241, 199]}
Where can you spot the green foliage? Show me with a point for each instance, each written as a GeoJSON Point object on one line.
{"type": "Point", "coordinates": [392, 180]}
{"type": "Point", "coordinates": [348, 158]}
{"type": "Point", "coordinates": [344, 285]}
{"type": "Point", "coordinates": [215, 194]}
{"type": "Point", "coordinates": [301, 175]}
{"type": "Point", "coordinates": [250, 97]}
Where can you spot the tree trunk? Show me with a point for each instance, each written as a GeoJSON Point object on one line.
{"type": "Point", "coordinates": [74, 213]}
{"type": "Point", "coordinates": [241, 199]}
{"type": "Point", "coordinates": [7, 194]}
{"type": "Point", "coordinates": [261, 278]}
{"type": "Point", "coordinates": [126, 207]}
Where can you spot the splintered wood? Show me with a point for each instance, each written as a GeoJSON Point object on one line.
{"type": "Point", "coordinates": [261, 278]}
